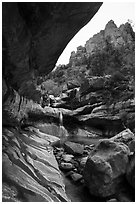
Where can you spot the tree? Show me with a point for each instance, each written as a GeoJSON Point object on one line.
{"type": "Point", "coordinates": [51, 87]}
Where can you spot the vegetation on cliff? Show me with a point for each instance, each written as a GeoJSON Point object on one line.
{"type": "Point", "coordinates": [110, 52]}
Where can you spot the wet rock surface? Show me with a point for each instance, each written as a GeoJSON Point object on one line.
{"type": "Point", "coordinates": [30, 166]}
{"type": "Point", "coordinates": [72, 165]}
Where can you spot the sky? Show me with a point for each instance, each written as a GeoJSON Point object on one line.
{"type": "Point", "coordinates": [118, 12]}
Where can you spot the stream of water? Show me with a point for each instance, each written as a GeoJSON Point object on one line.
{"type": "Point", "coordinates": [76, 192]}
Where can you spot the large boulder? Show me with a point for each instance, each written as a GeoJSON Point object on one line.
{"type": "Point", "coordinates": [105, 168]}
{"type": "Point", "coordinates": [126, 137]}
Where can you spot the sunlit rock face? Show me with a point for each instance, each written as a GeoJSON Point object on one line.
{"type": "Point", "coordinates": [117, 36]}
{"type": "Point", "coordinates": [78, 57]}
{"type": "Point", "coordinates": [35, 34]}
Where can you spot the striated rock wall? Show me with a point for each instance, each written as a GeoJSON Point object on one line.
{"type": "Point", "coordinates": [30, 170]}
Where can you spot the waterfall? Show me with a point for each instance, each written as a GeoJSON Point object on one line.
{"type": "Point", "coordinates": [62, 131]}
{"type": "Point", "coordinates": [60, 118]}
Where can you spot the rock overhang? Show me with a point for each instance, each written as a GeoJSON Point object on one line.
{"type": "Point", "coordinates": [36, 33]}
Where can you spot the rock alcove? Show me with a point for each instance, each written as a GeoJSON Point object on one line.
{"type": "Point", "coordinates": [34, 36]}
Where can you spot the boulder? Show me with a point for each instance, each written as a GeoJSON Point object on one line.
{"type": "Point", "coordinates": [75, 163]}
{"type": "Point", "coordinates": [83, 161]}
{"type": "Point", "coordinates": [76, 177]}
{"type": "Point", "coordinates": [126, 137]}
{"type": "Point", "coordinates": [112, 200]}
{"type": "Point", "coordinates": [105, 168]}
{"type": "Point", "coordinates": [73, 148]}
{"type": "Point", "coordinates": [67, 157]}
{"type": "Point", "coordinates": [130, 173]}
{"type": "Point", "coordinates": [66, 166]}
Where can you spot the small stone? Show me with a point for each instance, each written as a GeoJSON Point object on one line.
{"type": "Point", "coordinates": [112, 200]}
{"type": "Point", "coordinates": [74, 148]}
{"type": "Point", "coordinates": [89, 147]}
{"type": "Point", "coordinates": [69, 173]}
{"type": "Point", "coordinates": [76, 177]}
{"type": "Point", "coordinates": [86, 152]}
{"type": "Point", "coordinates": [83, 161]}
{"type": "Point", "coordinates": [75, 163]}
{"type": "Point", "coordinates": [57, 157]}
{"type": "Point", "coordinates": [59, 154]}
{"type": "Point", "coordinates": [67, 157]}
{"type": "Point", "coordinates": [82, 181]}
{"type": "Point", "coordinates": [66, 166]}
{"type": "Point", "coordinates": [59, 149]}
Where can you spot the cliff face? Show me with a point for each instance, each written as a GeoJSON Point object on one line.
{"type": "Point", "coordinates": [116, 36]}
{"type": "Point", "coordinates": [78, 56]}
{"type": "Point", "coordinates": [35, 34]}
